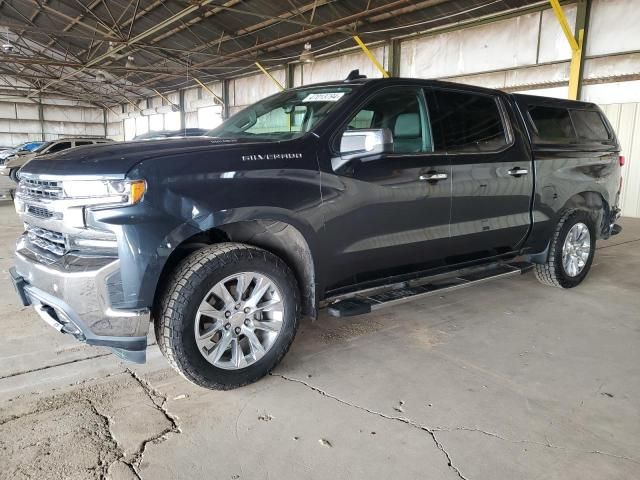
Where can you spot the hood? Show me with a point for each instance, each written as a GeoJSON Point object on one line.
{"type": "Point", "coordinates": [8, 153]}
{"type": "Point", "coordinates": [118, 158]}
{"type": "Point", "coordinates": [19, 159]}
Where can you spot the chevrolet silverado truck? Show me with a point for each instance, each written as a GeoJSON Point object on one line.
{"type": "Point", "coordinates": [351, 195]}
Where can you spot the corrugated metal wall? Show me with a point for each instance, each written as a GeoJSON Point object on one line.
{"type": "Point", "coordinates": [625, 118]}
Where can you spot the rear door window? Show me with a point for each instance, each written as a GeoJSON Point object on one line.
{"type": "Point", "coordinates": [552, 124]}
{"type": "Point", "coordinates": [589, 125]}
{"type": "Point", "coordinates": [79, 144]}
{"type": "Point", "coordinates": [468, 122]}
{"type": "Point", "coordinates": [58, 147]}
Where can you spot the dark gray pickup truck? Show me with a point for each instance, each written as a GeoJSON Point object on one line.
{"type": "Point", "coordinates": [352, 195]}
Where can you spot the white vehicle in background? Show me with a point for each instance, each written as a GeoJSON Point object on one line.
{"type": "Point", "coordinates": [13, 164]}
{"type": "Point", "coordinates": [21, 149]}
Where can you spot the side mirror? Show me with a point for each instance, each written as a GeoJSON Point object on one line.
{"type": "Point", "coordinates": [363, 144]}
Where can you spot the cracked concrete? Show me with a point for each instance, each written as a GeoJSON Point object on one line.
{"type": "Point", "coordinates": [472, 385]}
{"type": "Point", "coordinates": [405, 420]}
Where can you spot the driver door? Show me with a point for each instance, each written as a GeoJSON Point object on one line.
{"type": "Point", "coordinates": [389, 213]}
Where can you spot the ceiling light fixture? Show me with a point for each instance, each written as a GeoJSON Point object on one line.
{"type": "Point", "coordinates": [130, 62]}
{"type": "Point", "coordinates": [307, 55]}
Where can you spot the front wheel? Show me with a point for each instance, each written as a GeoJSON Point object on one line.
{"type": "Point", "coordinates": [13, 175]}
{"type": "Point", "coordinates": [228, 316]}
{"type": "Point", "coordinates": [570, 252]}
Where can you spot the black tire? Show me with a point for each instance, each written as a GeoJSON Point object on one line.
{"type": "Point", "coordinates": [13, 175]}
{"type": "Point", "coordinates": [552, 272]}
{"type": "Point", "coordinates": [188, 285]}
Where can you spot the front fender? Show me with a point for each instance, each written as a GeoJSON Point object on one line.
{"type": "Point", "coordinates": [176, 207]}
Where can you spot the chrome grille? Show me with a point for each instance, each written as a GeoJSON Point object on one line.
{"type": "Point", "coordinates": [51, 241]}
{"type": "Point", "coordinates": [41, 188]}
{"type": "Point", "coordinates": [39, 212]}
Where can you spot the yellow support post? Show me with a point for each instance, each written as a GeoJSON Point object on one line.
{"type": "Point", "coordinates": [574, 68]}
{"type": "Point", "coordinates": [133, 104]}
{"type": "Point", "coordinates": [165, 98]}
{"type": "Point", "coordinates": [576, 49]}
{"type": "Point", "coordinates": [271, 77]}
{"type": "Point", "coordinates": [373, 59]}
{"type": "Point", "coordinates": [216, 97]}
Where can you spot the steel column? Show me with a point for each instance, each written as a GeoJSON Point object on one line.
{"type": "Point", "coordinates": [394, 57]}
{"type": "Point", "coordinates": [576, 41]}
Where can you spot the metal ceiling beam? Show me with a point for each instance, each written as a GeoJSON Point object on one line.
{"type": "Point", "coordinates": [141, 36]}
{"type": "Point", "coordinates": [116, 68]}
{"type": "Point", "coordinates": [66, 17]}
{"type": "Point", "coordinates": [296, 38]}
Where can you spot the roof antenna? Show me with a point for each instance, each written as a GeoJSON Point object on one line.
{"type": "Point", "coordinates": [354, 75]}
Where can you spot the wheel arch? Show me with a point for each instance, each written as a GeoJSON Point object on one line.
{"type": "Point", "coordinates": [592, 202]}
{"type": "Point", "coordinates": [279, 237]}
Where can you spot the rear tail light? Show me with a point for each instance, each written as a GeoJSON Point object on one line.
{"type": "Point", "coordinates": [621, 160]}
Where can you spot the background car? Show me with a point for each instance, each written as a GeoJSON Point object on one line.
{"type": "Point", "coordinates": [14, 163]}
{"type": "Point", "coordinates": [6, 152]}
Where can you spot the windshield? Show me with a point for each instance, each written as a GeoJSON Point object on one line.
{"type": "Point", "coordinates": [41, 147]}
{"type": "Point", "coordinates": [30, 147]}
{"type": "Point", "coordinates": [289, 114]}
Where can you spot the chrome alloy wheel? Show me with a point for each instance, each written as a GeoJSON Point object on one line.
{"type": "Point", "coordinates": [576, 249]}
{"type": "Point", "coordinates": [239, 320]}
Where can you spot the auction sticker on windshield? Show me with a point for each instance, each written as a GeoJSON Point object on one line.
{"type": "Point", "coordinates": [323, 97]}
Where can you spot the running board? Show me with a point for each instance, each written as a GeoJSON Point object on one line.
{"type": "Point", "coordinates": [366, 301]}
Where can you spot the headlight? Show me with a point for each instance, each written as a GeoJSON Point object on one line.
{"type": "Point", "coordinates": [118, 192]}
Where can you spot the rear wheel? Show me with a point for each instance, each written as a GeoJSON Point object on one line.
{"type": "Point", "coordinates": [228, 316]}
{"type": "Point", "coordinates": [570, 252]}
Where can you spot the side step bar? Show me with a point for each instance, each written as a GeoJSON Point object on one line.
{"type": "Point", "coordinates": [366, 301]}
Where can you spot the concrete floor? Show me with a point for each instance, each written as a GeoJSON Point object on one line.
{"type": "Point", "coordinates": [505, 380]}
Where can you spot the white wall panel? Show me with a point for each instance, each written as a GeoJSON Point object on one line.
{"type": "Point", "coordinates": [614, 27]}
{"type": "Point", "coordinates": [553, 43]}
{"type": "Point", "coordinates": [7, 110]}
{"type": "Point", "coordinates": [27, 111]}
{"type": "Point", "coordinates": [625, 119]}
{"type": "Point", "coordinates": [522, 77]}
{"type": "Point", "coordinates": [25, 126]}
{"type": "Point", "coordinates": [554, 92]}
{"type": "Point", "coordinates": [613, 66]}
{"type": "Point", "coordinates": [115, 131]}
{"type": "Point", "coordinates": [619, 92]}
{"type": "Point", "coordinates": [337, 68]}
{"type": "Point", "coordinates": [248, 90]}
{"type": "Point", "coordinates": [191, 119]}
{"type": "Point", "coordinates": [113, 114]}
{"type": "Point", "coordinates": [504, 44]}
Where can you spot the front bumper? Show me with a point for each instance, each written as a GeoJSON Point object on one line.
{"type": "Point", "coordinates": [4, 170]}
{"type": "Point", "coordinates": [75, 297]}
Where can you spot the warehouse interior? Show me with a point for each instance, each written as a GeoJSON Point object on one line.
{"type": "Point", "coordinates": [506, 379]}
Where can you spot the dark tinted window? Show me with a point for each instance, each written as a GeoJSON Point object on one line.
{"type": "Point", "coordinates": [399, 110]}
{"type": "Point", "coordinates": [79, 144]}
{"type": "Point", "coordinates": [552, 124]}
{"type": "Point", "coordinates": [58, 147]}
{"type": "Point", "coordinates": [467, 122]}
{"type": "Point", "coordinates": [589, 124]}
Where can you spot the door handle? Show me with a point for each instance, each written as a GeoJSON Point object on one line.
{"type": "Point", "coordinates": [434, 176]}
{"type": "Point", "coordinates": [518, 172]}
